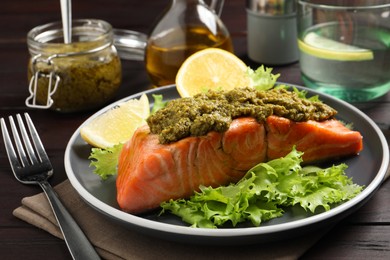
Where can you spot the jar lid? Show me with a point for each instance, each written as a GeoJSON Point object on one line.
{"type": "Point", "coordinates": [130, 44]}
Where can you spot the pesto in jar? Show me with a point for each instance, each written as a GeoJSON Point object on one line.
{"type": "Point", "coordinates": [215, 110]}
{"type": "Point", "coordinates": [87, 70]}
{"type": "Point", "coordinates": [86, 81]}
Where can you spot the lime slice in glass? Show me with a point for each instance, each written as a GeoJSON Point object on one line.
{"type": "Point", "coordinates": [325, 48]}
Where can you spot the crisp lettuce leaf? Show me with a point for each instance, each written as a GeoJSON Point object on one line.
{"type": "Point", "coordinates": [303, 95]}
{"type": "Point", "coordinates": [105, 161]}
{"type": "Point", "coordinates": [262, 78]}
{"type": "Point", "coordinates": [264, 192]}
{"type": "Point", "coordinates": [158, 103]}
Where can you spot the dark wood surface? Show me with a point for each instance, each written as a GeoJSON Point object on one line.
{"type": "Point", "coordinates": [363, 235]}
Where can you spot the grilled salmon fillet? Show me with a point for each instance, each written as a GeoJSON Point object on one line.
{"type": "Point", "coordinates": [150, 173]}
{"type": "Point", "coordinates": [319, 141]}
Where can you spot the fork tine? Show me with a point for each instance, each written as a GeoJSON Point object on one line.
{"type": "Point", "coordinates": [36, 140]}
{"type": "Point", "coordinates": [26, 140]}
{"type": "Point", "coordinates": [13, 159]}
{"type": "Point", "coordinates": [19, 146]}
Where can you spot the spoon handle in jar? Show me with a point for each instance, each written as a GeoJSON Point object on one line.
{"type": "Point", "coordinates": [66, 14]}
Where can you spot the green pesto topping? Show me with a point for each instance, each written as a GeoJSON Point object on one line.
{"type": "Point", "coordinates": [215, 110]}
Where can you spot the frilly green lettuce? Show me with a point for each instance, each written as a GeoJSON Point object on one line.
{"type": "Point", "coordinates": [105, 161]}
{"type": "Point", "coordinates": [262, 78]}
{"type": "Point", "coordinates": [264, 192]}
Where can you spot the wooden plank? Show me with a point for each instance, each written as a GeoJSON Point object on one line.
{"type": "Point", "coordinates": [353, 242]}
{"type": "Point", "coordinates": [31, 243]}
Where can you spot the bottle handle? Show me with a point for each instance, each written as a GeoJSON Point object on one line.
{"type": "Point", "coordinates": [217, 6]}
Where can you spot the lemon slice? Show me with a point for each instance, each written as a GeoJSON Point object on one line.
{"type": "Point", "coordinates": [211, 68]}
{"type": "Point", "coordinates": [118, 124]}
{"type": "Point", "coordinates": [325, 48]}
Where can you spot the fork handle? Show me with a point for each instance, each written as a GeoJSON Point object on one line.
{"type": "Point", "coordinates": [78, 244]}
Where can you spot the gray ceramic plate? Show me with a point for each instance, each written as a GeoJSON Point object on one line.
{"type": "Point", "coordinates": [368, 168]}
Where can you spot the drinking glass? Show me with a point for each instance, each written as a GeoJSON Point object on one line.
{"type": "Point", "coordinates": [345, 47]}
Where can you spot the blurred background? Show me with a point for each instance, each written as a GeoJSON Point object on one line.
{"type": "Point", "coordinates": [17, 17]}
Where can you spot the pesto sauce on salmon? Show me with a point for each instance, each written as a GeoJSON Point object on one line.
{"type": "Point", "coordinates": [215, 110]}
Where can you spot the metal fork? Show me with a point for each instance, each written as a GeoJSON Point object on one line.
{"type": "Point", "coordinates": [33, 166]}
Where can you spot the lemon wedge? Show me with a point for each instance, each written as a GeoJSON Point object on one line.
{"type": "Point", "coordinates": [116, 125]}
{"type": "Point", "coordinates": [325, 48]}
{"type": "Point", "coordinates": [211, 68]}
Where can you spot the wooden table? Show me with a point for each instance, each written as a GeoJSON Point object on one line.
{"type": "Point", "coordinates": [363, 235]}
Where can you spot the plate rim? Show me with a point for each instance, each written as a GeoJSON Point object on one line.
{"type": "Point", "coordinates": [152, 225]}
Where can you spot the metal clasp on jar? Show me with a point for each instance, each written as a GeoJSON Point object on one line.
{"type": "Point", "coordinates": [31, 101]}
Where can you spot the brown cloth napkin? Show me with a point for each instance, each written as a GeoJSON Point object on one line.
{"type": "Point", "coordinates": [114, 241]}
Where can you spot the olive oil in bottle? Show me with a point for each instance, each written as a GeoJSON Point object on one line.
{"type": "Point", "coordinates": [173, 40]}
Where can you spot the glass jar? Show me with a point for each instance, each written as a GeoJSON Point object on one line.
{"type": "Point", "coordinates": [81, 75]}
